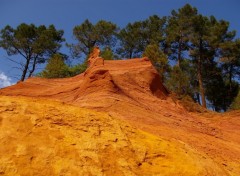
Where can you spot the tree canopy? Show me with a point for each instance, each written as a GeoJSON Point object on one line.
{"type": "Point", "coordinates": [89, 35]}
{"type": "Point", "coordinates": [135, 37]}
{"type": "Point", "coordinates": [33, 43]}
{"type": "Point", "coordinates": [158, 58]}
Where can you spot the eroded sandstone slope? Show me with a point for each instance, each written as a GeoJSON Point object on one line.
{"type": "Point", "coordinates": [128, 93]}
{"type": "Point", "coordinates": [42, 137]}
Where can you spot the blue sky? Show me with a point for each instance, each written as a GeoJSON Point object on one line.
{"type": "Point", "coordinates": [65, 14]}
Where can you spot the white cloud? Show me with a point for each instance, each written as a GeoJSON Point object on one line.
{"type": "Point", "coordinates": [4, 80]}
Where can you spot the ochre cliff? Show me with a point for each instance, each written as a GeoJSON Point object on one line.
{"type": "Point", "coordinates": [115, 119]}
{"type": "Point", "coordinates": [42, 137]}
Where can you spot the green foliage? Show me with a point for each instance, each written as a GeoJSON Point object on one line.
{"type": "Point", "coordinates": [107, 54]}
{"type": "Point", "coordinates": [206, 36]}
{"type": "Point", "coordinates": [153, 30]}
{"type": "Point", "coordinates": [130, 40]}
{"type": "Point", "coordinates": [135, 37]}
{"type": "Point", "coordinates": [178, 31]}
{"type": "Point", "coordinates": [218, 91]}
{"type": "Point", "coordinates": [157, 57]}
{"type": "Point", "coordinates": [55, 68]}
{"type": "Point", "coordinates": [230, 59]}
{"type": "Point", "coordinates": [77, 69]}
{"type": "Point", "coordinates": [88, 35]}
{"type": "Point", "coordinates": [179, 82]}
{"type": "Point", "coordinates": [188, 103]}
{"type": "Point", "coordinates": [34, 44]}
{"type": "Point", "coordinates": [236, 103]}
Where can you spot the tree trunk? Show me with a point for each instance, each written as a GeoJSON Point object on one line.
{"type": "Point", "coordinates": [201, 88]}
{"type": "Point", "coordinates": [198, 98]}
{"type": "Point", "coordinates": [33, 67]}
{"type": "Point", "coordinates": [25, 69]}
{"type": "Point", "coordinates": [230, 77]}
{"type": "Point", "coordinates": [130, 55]}
{"type": "Point", "coordinates": [179, 52]}
{"type": "Point", "coordinates": [200, 79]}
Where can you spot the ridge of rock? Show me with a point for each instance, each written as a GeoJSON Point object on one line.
{"type": "Point", "coordinates": [107, 80]}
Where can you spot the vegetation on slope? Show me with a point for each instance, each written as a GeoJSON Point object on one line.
{"type": "Point", "coordinates": [236, 103]}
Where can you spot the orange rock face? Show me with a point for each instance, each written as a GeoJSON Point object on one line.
{"type": "Point", "coordinates": [133, 80]}
{"type": "Point", "coordinates": [131, 91]}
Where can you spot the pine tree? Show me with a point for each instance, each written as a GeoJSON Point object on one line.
{"type": "Point", "coordinates": [135, 37]}
{"type": "Point", "coordinates": [179, 79]}
{"type": "Point", "coordinates": [153, 31]}
{"type": "Point", "coordinates": [178, 31]}
{"type": "Point", "coordinates": [201, 49]}
{"type": "Point", "coordinates": [130, 39]}
{"type": "Point", "coordinates": [230, 60]}
{"type": "Point", "coordinates": [89, 35]}
{"type": "Point", "coordinates": [107, 54]}
{"type": "Point", "coordinates": [55, 68]}
{"type": "Point", "coordinates": [236, 103]}
{"type": "Point", "coordinates": [158, 58]}
{"type": "Point", "coordinates": [34, 44]}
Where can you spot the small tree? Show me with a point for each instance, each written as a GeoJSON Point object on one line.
{"type": "Point", "coordinates": [157, 57]}
{"type": "Point", "coordinates": [179, 82]}
{"type": "Point", "coordinates": [236, 103]}
{"type": "Point", "coordinates": [56, 68]}
{"type": "Point", "coordinates": [107, 54]}
{"type": "Point", "coordinates": [34, 44]}
{"type": "Point", "coordinates": [77, 69]}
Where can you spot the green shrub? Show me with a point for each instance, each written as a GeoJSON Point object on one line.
{"type": "Point", "coordinates": [56, 68]}
{"type": "Point", "coordinates": [236, 103]}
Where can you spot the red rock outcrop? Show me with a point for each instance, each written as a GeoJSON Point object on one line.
{"type": "Point", "coordinates": [134, 80]}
